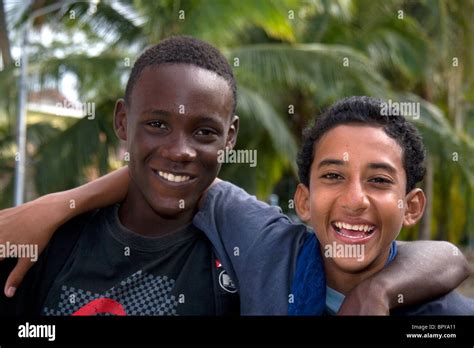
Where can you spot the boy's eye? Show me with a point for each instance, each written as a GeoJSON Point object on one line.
{"type": "Point", "coordinates": [157, 124]}
{"type": "Point", "coordinates": [206, 132]}
{"type": "Point", "coordinates": [332, 176]}
{"type": "Point", "coordinates": [380, 180]}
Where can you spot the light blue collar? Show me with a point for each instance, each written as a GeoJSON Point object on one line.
{"type": "Point", "coordinates": [334, 298]}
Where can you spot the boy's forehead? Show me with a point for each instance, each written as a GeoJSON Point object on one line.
{"type": "Point", "coordinates": [176, 87]}
{"type": "Point", "coordinates": [182, 74]}
{"type": "Point", "coordinates": [360, 144]}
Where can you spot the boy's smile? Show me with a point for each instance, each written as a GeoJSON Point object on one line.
{"type": "Point", "coordinates": [178, 118]}
{"type": "Point", "coordinates": [357, 192]}
{"type": "Point", "coordinates": [350, 230]}
{"type": "Point", "coordinates": [357, 196]}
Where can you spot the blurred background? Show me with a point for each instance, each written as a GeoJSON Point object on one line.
{"type": "Point", "coordinates": [292, 59]}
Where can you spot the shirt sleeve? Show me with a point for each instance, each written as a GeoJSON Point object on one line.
{"type": "Point", "coordinates": [257, 244]}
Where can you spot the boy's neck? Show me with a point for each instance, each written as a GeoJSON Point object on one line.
{"type": "Point", "coordinates": [138, 216]}
{"type": "Point", "coordinates": [344, 281]}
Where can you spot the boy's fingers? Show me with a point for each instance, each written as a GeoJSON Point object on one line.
{"type": "Point", "coordinates": [16, 276]}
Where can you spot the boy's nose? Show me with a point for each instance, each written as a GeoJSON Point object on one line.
{"type": "Point", "coordinates": [354, 198]}
{"type": "Point", "coordinates": [178, 149]}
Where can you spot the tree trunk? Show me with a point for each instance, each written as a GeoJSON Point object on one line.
{"type": "Point", "coordinates": [425, 224]}
{"type": "Point", "coordinates": [4, 40]}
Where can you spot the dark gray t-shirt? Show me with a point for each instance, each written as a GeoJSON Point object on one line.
{"type": "Point", "coordinates": [110, 270]}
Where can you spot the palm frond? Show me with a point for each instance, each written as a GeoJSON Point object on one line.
{"type": "Point", "coordinates": [232, 18]}
{"type": "Point", "coordinates": [254, 109]}
{"type": "Point", "coordinates": [327, 69]}
{"type": "Point", "coordinates": [62, 159]}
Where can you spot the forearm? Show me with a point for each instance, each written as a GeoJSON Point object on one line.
{"type": "Point", "coordinates": [423, 270]}
{"type": "Point", "coordinates": [101, 192]}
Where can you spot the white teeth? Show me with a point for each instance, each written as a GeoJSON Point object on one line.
{"type": "Point", "coordinates": [348, 235]}
{"type": "Point", "coordinates": [173, 178]}
{"type": "Point", "coordinates": [365, 228]}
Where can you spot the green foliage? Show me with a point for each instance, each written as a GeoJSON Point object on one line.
{"type": "Point", "coordinates": [281, 62]}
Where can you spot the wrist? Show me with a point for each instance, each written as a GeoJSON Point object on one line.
{"type": "Point", "coordinates": [63, 206]}
{"type": "Point", "coordinates": [45, 206]}
{"type": "Point", "coordinates": [379, 290]}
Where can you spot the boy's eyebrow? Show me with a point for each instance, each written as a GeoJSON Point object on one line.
{"type": "Point", "coordinates": [375, 165]}
{"type": "Point", "coordinates": [383, 165]}
{"type": "Point", "coordinates": [157, 112]}
{"type": "Point", "coordinates": [331, 161]}
{"type": "Point", "coordinates": [209, 119]}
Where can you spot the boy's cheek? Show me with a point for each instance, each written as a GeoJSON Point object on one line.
{"type": "Point", "coordinates": [320, 214]}
{"type": "Point", "coordinates": [392, 223]}
{"type": "Point", "coordinates": [393, 211]}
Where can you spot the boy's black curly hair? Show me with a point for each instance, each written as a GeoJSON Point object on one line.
{"type": "Point", "coordinates": [366, 110]}
{"type": "Point", "coordinates": [183, 50]}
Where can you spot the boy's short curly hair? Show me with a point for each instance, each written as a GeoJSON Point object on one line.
{"type": "Point", "coordinates": [183, 50]}
{"type": "Point", "coordinates": [366, 110]}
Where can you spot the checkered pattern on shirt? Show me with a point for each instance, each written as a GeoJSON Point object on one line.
{"type": "Point", "coordinates": [139, 294]}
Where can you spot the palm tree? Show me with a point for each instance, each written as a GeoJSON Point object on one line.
{"type": "Point", "coordinates": [300, 49]}
{"type": "Point", "coordinates": [101, 77]}
{"type": "Point", "coordinates": [423, 50]}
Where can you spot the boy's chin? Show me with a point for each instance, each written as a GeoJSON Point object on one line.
{"type": "Point", "coordinates": [352, 265]}
{"type": "Point", "coordinates": [170, 208]}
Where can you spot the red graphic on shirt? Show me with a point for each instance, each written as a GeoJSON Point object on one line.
{"type": "Point", "coordinates": [218, 264]}
{"type": "Point", "coordinates": [101, 306]}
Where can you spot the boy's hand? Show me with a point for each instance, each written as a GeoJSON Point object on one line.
{"type": "Point", "coordinates": [35, 222]}
{"type": "Point", "coordinates": [422, 270]}
{"type": "Point", "coordinates": [32, 223]}
{"type": "Point", "coordinates": [367, 298]}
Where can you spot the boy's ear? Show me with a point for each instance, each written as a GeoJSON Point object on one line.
{"type": "Point", "coordinates": [302, 202]}
{"type": "Point", "coordinates": [120, 119]}
{"type": "Point", "coordinates": [416, 201]}
{"type": "Point", "coordinates": [233, 131]}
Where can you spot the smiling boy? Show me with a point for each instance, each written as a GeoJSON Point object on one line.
{"type": "Point", "coordinates": [358, 170]}
{"type": "Point", "coordinates": [144, 256]}
{"type": "Point", "coordinates": [177, 115]}
{"type": "Point", "coordinates": [358, 173]}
